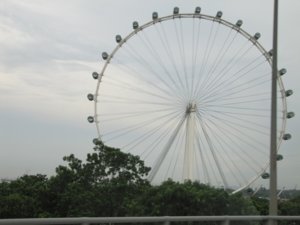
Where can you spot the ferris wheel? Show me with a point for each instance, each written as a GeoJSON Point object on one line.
{"type": "Point", "coordinates": [191, 95]}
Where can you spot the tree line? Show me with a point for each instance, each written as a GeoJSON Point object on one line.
{"type": "Point", "coordinates": [111, 183]}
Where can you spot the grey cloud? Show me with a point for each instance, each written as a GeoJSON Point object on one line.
{"type": "Point", "coordinates": [53, 46]}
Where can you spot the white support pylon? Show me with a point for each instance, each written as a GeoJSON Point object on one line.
{"type": "Point", "coordinates": [189, 151]}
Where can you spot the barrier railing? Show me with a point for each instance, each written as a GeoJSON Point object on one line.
{"type": "Point", "coordinates": [224, 220]}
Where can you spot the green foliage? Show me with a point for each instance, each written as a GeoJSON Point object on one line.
{"type": "Point", "coordinates": [99, 187]}
{"type": "Point", "coordinates": [24, 197]}
{"type": "Point", "coordinates": [290, 207]}
{"type": "Point", "coordinates": [112, 183]}
{"type": "Point", "coordinates": [190, 199]}
{"type": "Point", "coordinates": [261, 204]}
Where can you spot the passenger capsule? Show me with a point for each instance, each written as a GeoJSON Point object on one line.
{"type": "Point", "coordinates": [96, 141]}
{"type": "Point", "coordinates": [290, 115]}
{"type": "Point", "coordinates": [154, 15]}
{"type": "Point", "coordinates": [197, 10]}
{"type": "Point", "coordinates": [286, 137]}
{"type": "Point", "coordinates": [118, 38]}
{"type": "Point", "coordinates": [104, 55]}
{"type": "Point", "coordinates": [90, 119]}
{"type": "Point", "coordinates": [256, 36]}
{"type": "Point", "coordinates": [282, 71]}
{"type": "Point", "coordinates": [239, 23]}
{"type": "Point", "coordinates": [95, 75]}
{"type": "Point", "coordinates": [135, 25]}
{"type": "Point", "coordinates": [176, 10]}
{"type": "Point", "coordinates": [288, 93]}
{"type": "Point", "coordinates": [265, 175]}
{"type": "Point", "coordinates": [271, 52]}
{"type": "Point", "coordinates": [219, 14]}
{"type": "Point", "coordinates": [279, 157]}
{"type": "Point", "coordinates": [90, 97]}
{"type": "Point", "coordinates": [249, 190]}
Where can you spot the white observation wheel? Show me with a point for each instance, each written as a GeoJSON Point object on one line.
{"type": "Point", "coordinates": [191, 94]}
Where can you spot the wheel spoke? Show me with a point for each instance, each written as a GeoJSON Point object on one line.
{"type": "Point", "coordinates": [190, 94]}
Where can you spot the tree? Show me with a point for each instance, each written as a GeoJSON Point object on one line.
{"type": "Point", "coordinates": [102, 186]}
{"type": "Point", "coordinates": [290, 207]}
{"type": "Point", "coordinates": [177, 199]}
{"type": "Point", "coordinates": [261, 204]}
{"type": "Point", "coordinates": [24, 197]}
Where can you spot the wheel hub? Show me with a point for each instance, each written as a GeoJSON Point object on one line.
{"type": "Point", "coordinates": [191, 107]}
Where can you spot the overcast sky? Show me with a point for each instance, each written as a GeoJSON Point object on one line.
{"type": "Point", "coordinates": [48, 50]}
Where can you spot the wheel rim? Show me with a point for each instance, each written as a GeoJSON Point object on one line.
{"type": "Point", "coordinates": [193, 90]}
